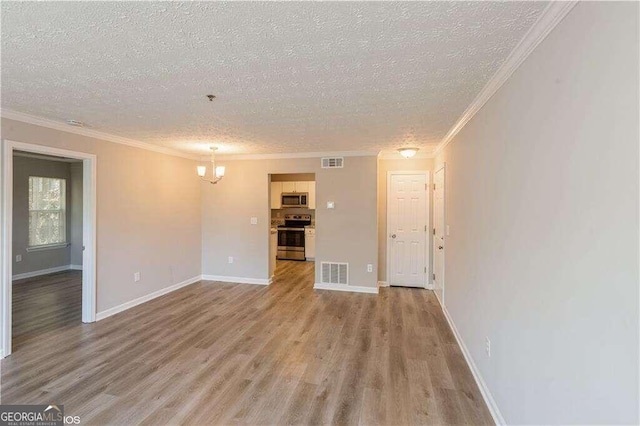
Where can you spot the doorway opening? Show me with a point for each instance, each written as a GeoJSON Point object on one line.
{"type": "Point", "coordinates": [408, 228]}
{"type": "Point", "coordinates": [292, 206]}
{"type": "Point", "coordinates": [48, 241]}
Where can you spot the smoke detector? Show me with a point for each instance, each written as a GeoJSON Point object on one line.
{"type": "Point", "coordinates": [75, 123]}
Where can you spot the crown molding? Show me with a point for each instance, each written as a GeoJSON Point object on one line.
{"type": "Point", "coordinates": [547, 21]}
{"type": "Point", "coordinates": [57, 125]}
{"type": "Point", "coordinates": [234, 157]}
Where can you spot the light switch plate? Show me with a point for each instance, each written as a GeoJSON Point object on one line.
{"type": "Point", "coordinates": [331, 205]}
{"type": "Point", "coordinates": [18, 258]}
{"type": "Point", "coordinates": [447, 230]}
{"type": "Point", "coordinates": [254, 220]}
{"type": "Point", "coordinates": [136, 276]}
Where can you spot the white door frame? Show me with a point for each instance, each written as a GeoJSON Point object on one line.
{"type": "Point", "coordinates": [427, 247]}
{"type": "Point", "coordinates": [443, 167]}
{"type": "Point", "coordinates": [89, 164]}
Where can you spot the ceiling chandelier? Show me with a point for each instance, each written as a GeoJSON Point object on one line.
{"type": "Point", "coordinates": [217, 173]}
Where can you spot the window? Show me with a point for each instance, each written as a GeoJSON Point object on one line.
{"type": "Point", "coordinates": [47, 211]}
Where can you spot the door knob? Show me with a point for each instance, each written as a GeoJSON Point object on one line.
{"type": "Point", "coordinates": [440, 247]}
{"type": "Point", "coordinates": [393, 235]}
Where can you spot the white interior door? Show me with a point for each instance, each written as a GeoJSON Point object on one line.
{"type": "Point", "coordinates": [407, 221]}
{"type": "Point", "coordinates": [439, 233]}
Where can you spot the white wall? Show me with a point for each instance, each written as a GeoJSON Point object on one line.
{"type": "Point", "coordinates": [148, 213]}
{"type": "Point", "coordinates": [344, 234]}
{"type": "Point", "coordinates": [542, 201]}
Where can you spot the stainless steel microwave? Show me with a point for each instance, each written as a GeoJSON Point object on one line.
{"type": "Point", "coordinates": [295, 199]}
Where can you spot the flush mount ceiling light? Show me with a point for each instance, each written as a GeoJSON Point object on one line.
{"type": "Point", "coordinates": [217, 173]}
{"type": "Point", "coordinates": [408, 152]}
{"type": "Point", "coordinates": [74, 123]}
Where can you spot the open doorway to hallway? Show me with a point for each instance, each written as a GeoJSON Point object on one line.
{"type": "Point", "coordinates": [292, 205]}
{"type": "Point", "coordinates": [46, 246]}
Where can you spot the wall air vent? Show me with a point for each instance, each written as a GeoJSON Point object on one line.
{"type": "Point", "coordinates": [332, 162]}
{"type": "Point", "coordinates": [335, 273]}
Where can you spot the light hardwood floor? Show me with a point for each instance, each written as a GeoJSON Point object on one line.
{"type": "Point", "coordinates": [215, 353]}
{"type": "Point", "coordinates": [45, 304]}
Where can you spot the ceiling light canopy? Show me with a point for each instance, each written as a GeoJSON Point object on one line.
{"type": "Point", "coordinates": [408, 152]}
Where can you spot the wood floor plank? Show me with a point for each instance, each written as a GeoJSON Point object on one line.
{"type": "Point", "coordinates": [220, 353]}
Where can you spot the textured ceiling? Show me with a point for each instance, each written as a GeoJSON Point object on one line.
{"type": "Point", "coordinates": [289, 77]}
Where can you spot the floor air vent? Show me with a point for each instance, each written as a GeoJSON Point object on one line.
{"type": "Point", "coordinates": [333, 162]}
{"type": "Point", "coordinates": [335, 273]}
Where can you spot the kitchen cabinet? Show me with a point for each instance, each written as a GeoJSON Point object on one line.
{"type": "Point", "coordinates": [278, 188]}
{"type": "Point", "coordinates": [276, 195]}
{"type": "Point", "coordinates": [295, 186]}
{"type": "Point", "coordinates": [288, 187]}
{"type": "Point", "coordinates": [302, 186]}
{"type": "Point", "coordinates": [312, 195]}
{"type": "Point", "coordinates": [273, 251]}
{"type": "Point", "coordinates": [310, 243]}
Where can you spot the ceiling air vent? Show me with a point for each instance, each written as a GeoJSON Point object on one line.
{"type": "Point", "coordinates": [335, 273]}
{"type": "Point", "coordinates": [333, 162]}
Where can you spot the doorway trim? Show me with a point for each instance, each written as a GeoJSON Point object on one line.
{"type": "Point", "coordinates": [442, 167]}
{"type": "Point", "coordinates": [89, 163]}
{"type": "Point", "coordinates": [427, 246]}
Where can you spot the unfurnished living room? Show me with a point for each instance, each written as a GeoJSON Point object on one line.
{"type": "Point", "coordinates": [349, 213]}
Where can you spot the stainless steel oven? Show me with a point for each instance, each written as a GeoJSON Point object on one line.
{"type": "Point", "coordinates": [295, 199]}
{"type": "Point", "coordinates": [291, 237]}
{"type": "Point", "coordinates": [291, 243]}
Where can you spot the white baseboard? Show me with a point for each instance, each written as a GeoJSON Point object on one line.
{"type": "Point", "coordinates": [343, 287]}
{"type": "Point", "coordinates": [75, 267]}
{"type": "Point", "coordinates": [41, 272]}
{"type": "Point", "coordinates": [484, 390]}
{"type": "Point", "coordinates": [236, 280]}
{"type": "Point", "coordinates": [140, 300]}
{"type": "Point", "coordinates": [1, 353]}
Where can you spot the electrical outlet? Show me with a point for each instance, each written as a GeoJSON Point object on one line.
{"type": "Point", "coordinates": [369, 268]}
{"type": "Point", "coordinates": [331, 205]}
{"type": "Point", "coordinates": [18, 258]}
{"type": "Point", "coordinates": [230, 259]}
{"type": "Point", "coordinates": [487, 348]}
{"type": "Point", "coordinates": [136, 276]}
{"type": "Point", "coordinates": [254, 220]}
